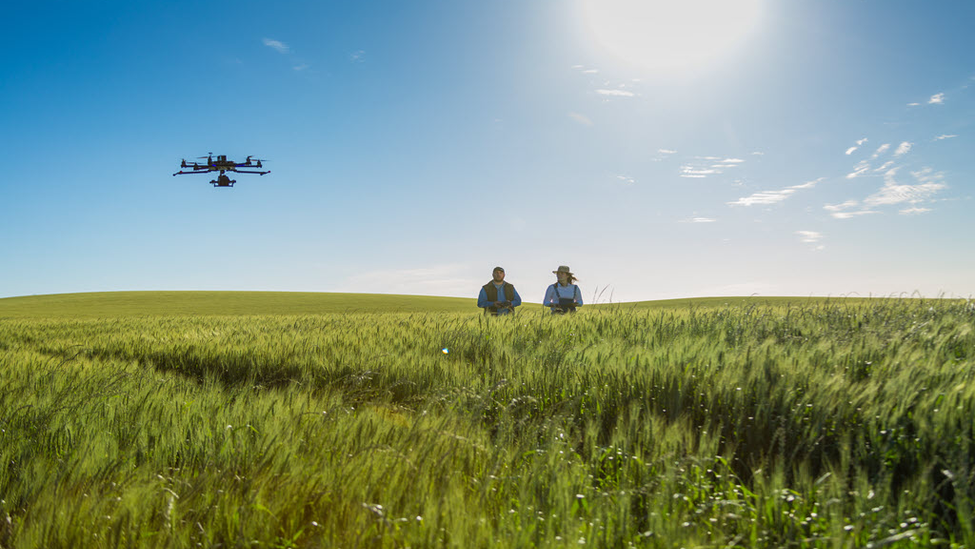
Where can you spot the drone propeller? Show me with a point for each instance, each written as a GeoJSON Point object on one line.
{"type": "Point", "coordinates": [257, 161]}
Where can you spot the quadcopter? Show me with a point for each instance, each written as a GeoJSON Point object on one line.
{"type": "Point", "coordinates": [221, 164]}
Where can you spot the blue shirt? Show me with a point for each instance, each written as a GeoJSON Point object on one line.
{"type": "Point", "coordinates": [482, 300]}
{"type": "Point", "coordinates": [556, 292]}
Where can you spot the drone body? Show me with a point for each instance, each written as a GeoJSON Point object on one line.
{"type": "Point", "coordinates": [222, 165]}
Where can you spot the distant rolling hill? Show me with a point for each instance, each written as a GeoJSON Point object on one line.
{"type": "Point", "coordinates": [122, 304]}
{"type": "Point", "coordinates": [126, 304]}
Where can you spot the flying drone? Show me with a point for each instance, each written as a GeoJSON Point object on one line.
{"type": "Point", "coordinates": [221, 164]}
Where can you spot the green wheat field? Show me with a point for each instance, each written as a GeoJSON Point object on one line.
{"type": "Point", "coordinates": [226, 419]}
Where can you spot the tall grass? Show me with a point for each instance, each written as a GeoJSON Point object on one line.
{"type": "Point", "coordinates": [827, 424]}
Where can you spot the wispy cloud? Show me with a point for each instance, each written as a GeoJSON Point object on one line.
{"type": "Point", "coordinates": [811, 237]}
{"type": "Point", "coordinates": [704, 166]}
{"type": "Point", "coordinates": [605, 88]}
{"type": "Point", "coordinates": [581, 118]}
{"type": "Point", "coordinates": [864, 167]}
{"type": "Point", "coordinates": [881, 150]}
{"type": "Point", "coordinates": [702, 220]}
{"type": "Point", "coordinates": [773, 197]}
{"type": "Point", "coordinates": [937, 99]}
{"type": "Point", "coordinates": [627, 180]}
{"type": "Point", "coordinates": [944, 136]}
{"type": "Point", "coordinates": [808, 184]}
{"type": "Point", "coordinates": [903, 148]}
{"type": "Point", "coordinates": [928, 183]}
{"type": "Point", "coordinates": [276, 45]}
{"type": "Point", "coordinates": [690, 172]}
{"type": "Point", "coordinates": [296, 64]}
{"type": "Point", "coordinates": [860, 142]}
{"type": "Point", "coordinates": [763, 198]}
{"type": "Point", "coordinates": [727, 163]}
{"type": "Point", "coordinates": [914, 211]}
{"type": "Point", "coordinates": [861, 168]}
{"type": "Point", "coordinates": [886, 166]}
{"type": "Point", "coordinates": [358, 56]}
{"type": "Point", "coordinates": [615, 93]}
{"type": "Point", "coordinates": [846, 210]}
{"type": "Point", "coordinates": [663, 154]}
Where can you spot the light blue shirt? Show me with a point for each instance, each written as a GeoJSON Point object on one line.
{"type": "Point", "coordinates": [555, 292]}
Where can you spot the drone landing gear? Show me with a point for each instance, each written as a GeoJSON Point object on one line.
{"type": "Point", "coordinates": [223, 181]}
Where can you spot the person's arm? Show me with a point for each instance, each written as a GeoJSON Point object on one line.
{"type": "Point", "coordinates": [517, 300]}
{"type": "Point", "coordinates": [578, 297]}
{"type": "Point", "coordinates": [482, 300]}
{"type": "Point", "coordinates": [550, 298]}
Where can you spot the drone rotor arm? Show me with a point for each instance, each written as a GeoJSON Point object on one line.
{"type": "Point", "coordinates": [187, 173]}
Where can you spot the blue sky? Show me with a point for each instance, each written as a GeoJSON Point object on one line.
{"type": "Point", "coordinates": [781, 148]}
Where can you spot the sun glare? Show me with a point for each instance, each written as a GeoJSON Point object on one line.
{"type": "Point", "coordinates": [669, 34]}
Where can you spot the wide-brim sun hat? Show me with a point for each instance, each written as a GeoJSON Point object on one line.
{"type": "Point", "coordinates": [563, 269]}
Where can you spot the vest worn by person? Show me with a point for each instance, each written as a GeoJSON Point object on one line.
{"type": "Point", "coordinates": [492, 295]}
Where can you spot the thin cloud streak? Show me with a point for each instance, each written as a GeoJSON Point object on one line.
{"type": "Point", "coordinates": [773, 197]}
{"type": "Point", "coordinates": [704, 166]}
{"type": "Point", "coordinates": [616, 93]}
{"type": "Point", "coordinates": [852, 149]}
{"type": "Point", "coordinates": [811, 237]}
{"type": "Point", "coordinates": [276, 45]}
{"type": "Point", "coordinates": [838, 211]}
{"type": "Point", "coordinates": [861, 168]}
{"type": "Point", "coordinates": [581, 118]}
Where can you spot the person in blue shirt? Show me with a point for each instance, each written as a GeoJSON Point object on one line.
{"type": "Point", "coordinates": [563, 296]}
{"type": "Point", "coordinates": [498, 297]}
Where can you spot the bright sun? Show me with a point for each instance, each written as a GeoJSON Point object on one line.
{"type": "Point", "coordinates": [669, 34]}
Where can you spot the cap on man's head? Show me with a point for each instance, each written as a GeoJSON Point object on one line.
{"type": "Point", "coordinates": [498, 269]}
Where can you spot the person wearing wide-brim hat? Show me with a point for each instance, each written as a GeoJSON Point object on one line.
{"type": "Point", "coordinates": [563, 296]}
